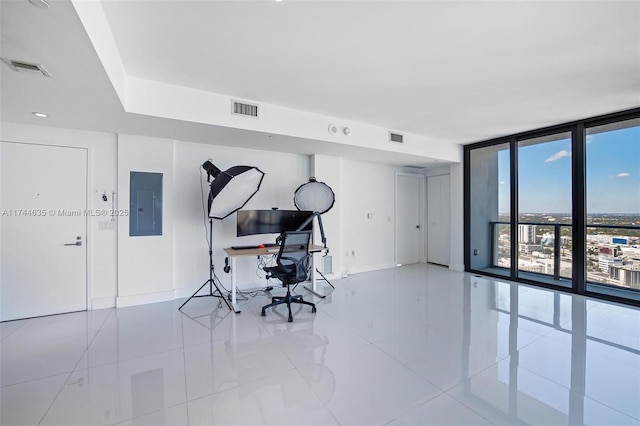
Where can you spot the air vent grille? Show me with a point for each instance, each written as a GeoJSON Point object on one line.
{"type": "Point", "coordinates": [21, 66]}
{"type": "Point", "coordinates": [396, 137]}
{"type": "Point", "coordinates": [244, 109]}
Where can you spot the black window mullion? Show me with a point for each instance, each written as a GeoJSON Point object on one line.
{"type": "Point", "coordinates": [578, 209]}
{"type": "Point", "coordinates": [513, 144]}
{"type": "Point", "coordinates": [467, 208]}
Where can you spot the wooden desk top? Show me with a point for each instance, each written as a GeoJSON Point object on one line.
{"type": "Point", "coordinates": [265, 251]}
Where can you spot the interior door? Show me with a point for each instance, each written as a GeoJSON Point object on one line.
{"type": "Point", "coordinates": [408, 224]}
{"type": "Point", "coordinates": [43, 252]}
{"type": "Point", "coordinates": [438, 222]}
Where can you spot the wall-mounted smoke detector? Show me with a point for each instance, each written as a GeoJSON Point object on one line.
{"type": "Point", "coordinates": [396, 137]}
{"type": "Point", "coordinates": [244, 109]}
{"type": "Point", "coordinates": [28, 67]}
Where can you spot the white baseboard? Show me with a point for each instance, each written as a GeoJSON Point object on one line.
{"type": "Point", "coordinates": [142, 299]}
{"type": "Point", "coordinates": [103, 303]}
{"type": "Point", "coordinates": [248, 286]}
{"type": "Point", "coordinates": [179, 293]}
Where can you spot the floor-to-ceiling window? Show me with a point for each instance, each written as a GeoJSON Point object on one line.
{"type": "Point", "coordinates": [544, 208]}
{"type": "Point", "coordinates": [613, 207]}
{"type": "Point", "coordinates": [559, 206]}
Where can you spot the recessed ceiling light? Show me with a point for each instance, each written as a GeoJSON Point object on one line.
{"type": "Point", "coordinates": [40, 114]}
{"type": "Point", "coordinates": [42, 4]}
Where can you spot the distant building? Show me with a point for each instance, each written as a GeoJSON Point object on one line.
{"type": "Point", "coordinates": [626, 274]}
{"type": "Point", "coordinates": [611, 251]}
{"type": "Point", "coordinates": [547, 239]}
{"type": "Point", "coordinates": [606, 262]}
{"type": "Point", "coordinates": [603, 239]}
{"type": "Point", "coordinates": [529, 248]}
{"type": "Point", "coordinates": [527, 233]}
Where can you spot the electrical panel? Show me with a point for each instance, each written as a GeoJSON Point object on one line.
{"type": "Point", "coordinates": [145, 206]}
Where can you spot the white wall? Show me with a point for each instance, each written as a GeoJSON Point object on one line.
{"type": "Point", "coordinates": [456, 256]}
{"type": "Point", "coordinates": [145, 263]}
{"type": "Point", "coordinates": [101, 244]}
{"type": "Point", "coordinates": [367, 188]}
{"type": "Point", "coordinates": [327, 169]}
{"type": "Point", "coordinates": [155, 268]}
{"type": "Point", "coordinates": [133, 270]}
{"type": "Point", "coordinates": [283, 174]}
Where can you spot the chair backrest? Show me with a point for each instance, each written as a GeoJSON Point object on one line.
{"type": "Point", "coordinates": [293, 257]}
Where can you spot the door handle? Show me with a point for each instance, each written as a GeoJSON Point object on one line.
{"type": "Point", "coordinates": [77, 243]}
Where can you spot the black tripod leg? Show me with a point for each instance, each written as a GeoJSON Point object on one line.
{"type": "Point", "coordinates": [212, 283]}
{"type": "Point", "coordinates": [310, 289]}
{"type": "Point", "coordinates": [325, 278]}
{"type": "Point", "coordinates": [194, 294]}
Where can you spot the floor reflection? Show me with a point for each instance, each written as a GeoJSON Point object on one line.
{"type": "Point", "coordinates": [571, 373]}
{"type": "Point", "coordinates": [412, 345]}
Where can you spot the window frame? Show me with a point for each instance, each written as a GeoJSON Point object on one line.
{"type": "Point", "coordinates": [578, 131]}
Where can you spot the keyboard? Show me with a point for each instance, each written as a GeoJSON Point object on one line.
{"type": "Point", "coordinates": [254, 246]}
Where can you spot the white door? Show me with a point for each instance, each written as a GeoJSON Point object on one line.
{"type": "Point", "coordinates": [438, 206]}
{"type": "Point", "coordinates": [43, 251]}
{"type": "Point", "coordinates": [408, 230]}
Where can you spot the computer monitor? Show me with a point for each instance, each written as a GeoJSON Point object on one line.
{"type": "Point", "coordinates": [252, 222]}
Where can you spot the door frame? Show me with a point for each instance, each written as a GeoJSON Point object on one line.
{"type": "Point", "coordinates": [422, 255]}
{"type": "Point", "coordinates": [89, 219]}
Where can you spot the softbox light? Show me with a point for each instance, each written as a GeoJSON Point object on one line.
{"type": "Point", "coordinates": [232, 189]}
{"type": "Point", "coordinates": [229, 191]}
{"type": "Point", "coordinates": [314, 196]}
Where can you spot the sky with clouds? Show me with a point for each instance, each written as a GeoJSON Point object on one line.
{"type": "Point", "coordinates": [544, 174]}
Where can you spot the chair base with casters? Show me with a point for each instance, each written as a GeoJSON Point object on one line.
{"type": "Point", "coordinates": [292, 268]}
{"type": "Point", "coordinates": [288, 300]}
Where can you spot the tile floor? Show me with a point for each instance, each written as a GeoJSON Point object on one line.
{"type": "Point", "coordinates": [407, 346]}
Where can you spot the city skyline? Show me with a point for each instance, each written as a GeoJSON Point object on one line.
{"type": "Point", "coordinates": [544, 175]}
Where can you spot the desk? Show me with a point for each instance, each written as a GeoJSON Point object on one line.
{"type": "Point", "coordinates": [262, 251]}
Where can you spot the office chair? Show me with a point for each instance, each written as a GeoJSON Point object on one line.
{"type": "Point", "coordinates": [292, 267]}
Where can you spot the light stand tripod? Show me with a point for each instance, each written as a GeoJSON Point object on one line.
{"type": "Point", "coordinates": [317, 214]}
{"type": "Point", "coordinates": [211, 281]}
{"type": "Point", "coordinates": [231, 190]}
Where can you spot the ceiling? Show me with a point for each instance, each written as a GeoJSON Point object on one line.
{"type": "Point", "coordinates": [452, 71]}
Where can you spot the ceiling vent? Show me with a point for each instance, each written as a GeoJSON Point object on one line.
{"type": "Point", "coordinates": [27, 67]}
{"type": "Point", "coordinates": [244, 109]}
{"type": "Point", "coordinates": [396, 137]}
